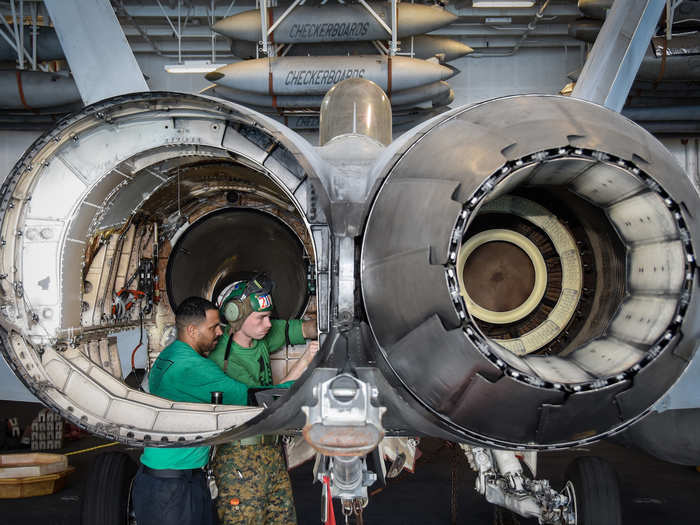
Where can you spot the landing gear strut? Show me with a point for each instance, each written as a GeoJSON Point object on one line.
{"type": "Point", "coordinates": [590, 496]}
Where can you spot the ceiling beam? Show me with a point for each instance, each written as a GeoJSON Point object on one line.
{"type": "Point", "coordinates": [559, 10]}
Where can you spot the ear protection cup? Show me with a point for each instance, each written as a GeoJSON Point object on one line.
{"type": "Point", "coordinates": [237, 309]}
{"type": "Point", "coordinates": [231, 312]}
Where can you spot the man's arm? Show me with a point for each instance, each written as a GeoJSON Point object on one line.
{"type": "Point", "coordinates": [302, 362]}
{"type": "Point", "coordinates": [309, 329]}
{"type": "Point", "coordinates": [285, 332]}
{"type": "Point", "coordinates": [205, 377]}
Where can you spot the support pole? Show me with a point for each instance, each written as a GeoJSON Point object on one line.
{"type": "Point", "coordinates": [19, 44]}
{"type": "Point", "coordinates": [265, 46]}
{"type": "Point", "coordinates": [34, 21]}
{"type": "Point", "coordinates": [670, 11]}
{"type": "Point", "coordinates": [375, 15]}
{"type": "Point", "coordinates": [12, 41]}
{"type": "Point", "coordinates": [284, 15]}
{"type": "Point", "coordinates": [380, 47]}
{"type": "Point", "coordinates": [393, 48]}
{"type": "Point", "coordinates": [21, 30]}
{"type": "Point", "coordinates": [213, 33]}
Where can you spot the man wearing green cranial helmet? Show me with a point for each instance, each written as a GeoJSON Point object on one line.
{"type": "Point", "coordinates": [244, 297]}
{"type": "Point", "coordinates": [251, 472]}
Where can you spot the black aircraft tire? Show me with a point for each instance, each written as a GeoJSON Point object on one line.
{"type": "Point", "coordinates": [105, 497]}
{"type": "Point", "coordinates": [503, 516]}
{"type": "Point", "coordinates": [597, 491]}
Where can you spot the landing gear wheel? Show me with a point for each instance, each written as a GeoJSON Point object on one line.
{"type": "Point", "coordinates": [503, 516]}
{"type": "Point", "coordinates": [105, 498]}
{"type": "Point", "coordinates": [594, 490]}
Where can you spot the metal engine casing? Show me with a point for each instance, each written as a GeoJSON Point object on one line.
{"type": "Point", "coordinates": [435, 371]}
{"type": "Point", "coordinates": [475, 389]}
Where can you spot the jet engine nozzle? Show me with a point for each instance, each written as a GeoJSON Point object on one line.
{"type": "Point", "coordinates": [539, 285]}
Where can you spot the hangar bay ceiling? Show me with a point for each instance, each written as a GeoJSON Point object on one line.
{"type": "Point", "coordinates": [37, 83]}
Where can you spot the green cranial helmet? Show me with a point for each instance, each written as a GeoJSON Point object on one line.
{"type": "Point", "coordinates": [244, 297]}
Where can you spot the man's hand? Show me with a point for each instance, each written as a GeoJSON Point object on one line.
{"type": "Point", "coordinates": [311, 351]}
{"type": "Point", "coordinates": [303, 362]}
{"type": "Point", "coordinates": [309, 329]}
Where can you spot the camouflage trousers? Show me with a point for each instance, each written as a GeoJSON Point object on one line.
{"type": "Point", "coordinates": [254, 486]}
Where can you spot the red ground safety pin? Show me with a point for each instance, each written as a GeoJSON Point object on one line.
{"type": "Point", "coordinates": [330, 515]}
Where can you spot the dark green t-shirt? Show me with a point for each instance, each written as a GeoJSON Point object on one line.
{"type": "Point", "coordinates": [251, 366]}
{"type": "Point", "coordinates": [181, 374]}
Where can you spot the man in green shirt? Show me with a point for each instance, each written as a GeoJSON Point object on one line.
{"type": "Point", "coordinates": [170, 486]}
{"type": "Point", "coordinates": [254, 486]}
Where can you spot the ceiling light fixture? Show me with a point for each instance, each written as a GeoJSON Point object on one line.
{"type": "Point", "coordinates": [503, 3]}
{"type": "Point", "coordinates": [498, 20]}
{"type": "Point", "coordinates": [193, 66]}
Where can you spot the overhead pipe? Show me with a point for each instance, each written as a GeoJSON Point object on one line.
{"type": "Point", "coordinates": [680, 127]}
{"type": "Point", "coordinates": [661, 113]}
{"type": "Point", "coordinates": [677, 68]}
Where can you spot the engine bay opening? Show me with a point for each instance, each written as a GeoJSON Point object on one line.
{"type": "Point", "coordinates": [92, 213]}
{"type": "Point", "coordinates": [210, 223]}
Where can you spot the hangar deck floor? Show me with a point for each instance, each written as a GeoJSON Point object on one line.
{"type": "Point", "coordinates": [653, 492]}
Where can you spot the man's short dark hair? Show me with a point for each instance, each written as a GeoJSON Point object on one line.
{"type": "Point", "coordinates": [192, 310]}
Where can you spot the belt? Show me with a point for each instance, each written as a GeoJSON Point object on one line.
{"type": "Point", "coordinates": [260, 439]}
{"type": "Point", "coordinates": [171, 473]}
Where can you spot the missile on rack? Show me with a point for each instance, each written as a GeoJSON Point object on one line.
{"type": "Point", "coordinates": [439, 93]}
{"type": "Point", "coordinates": [335, 23]}
{"type": "Point", "coordinates": [36, 89]}
{"type": "Point", "coordinates": [316, 75]}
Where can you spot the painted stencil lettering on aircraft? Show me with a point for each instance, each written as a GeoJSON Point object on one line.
{"type": "Point", "coordinates": [319, 77]}
{"type": "Point", "coordinates": [341, 31]}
